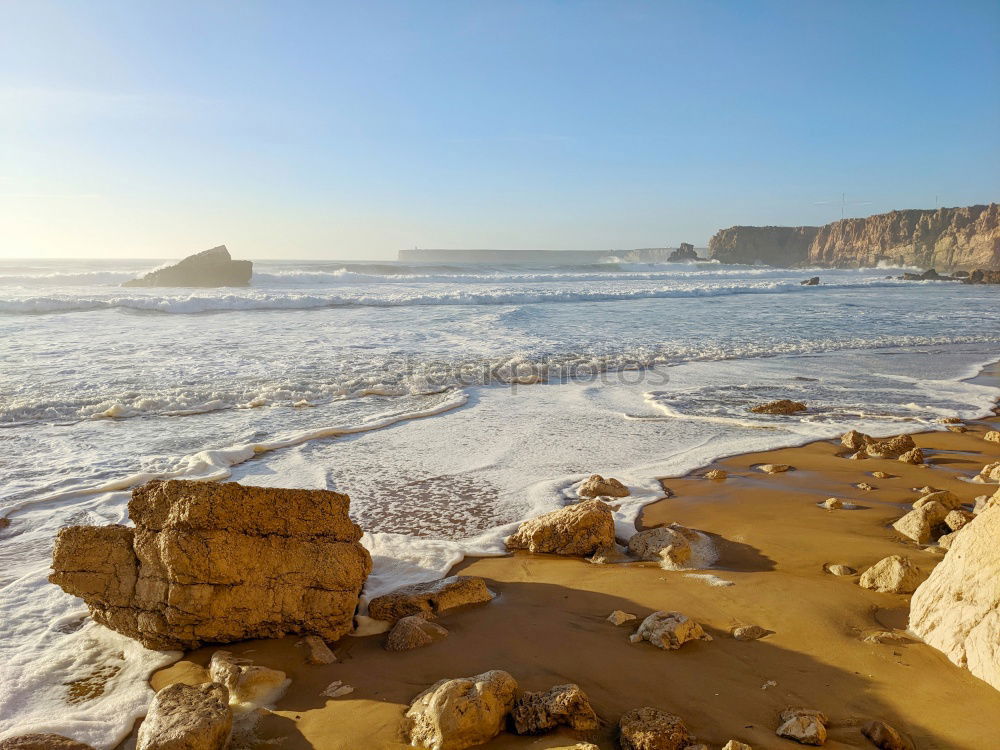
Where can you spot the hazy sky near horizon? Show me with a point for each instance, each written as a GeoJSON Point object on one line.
{"type": "Point", "coordinates": [350, 130]}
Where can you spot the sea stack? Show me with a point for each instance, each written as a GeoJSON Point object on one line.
{"type": "Point", "coordinates": [209, 268]}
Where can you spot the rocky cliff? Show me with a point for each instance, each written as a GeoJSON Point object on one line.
{"type": "Point", "coordinates": [947, 239]}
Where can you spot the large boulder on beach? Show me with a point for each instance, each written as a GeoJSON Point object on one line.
{"type": "Point", "coordinates": [562, 705]}
{"type": "Point", "coordinates": [209, 268]}
{"type": "Point", "coordinates": [892, 575]}
{"type": "Point", "coordinates": [650, 728]}
{"type": "Point", "coordinates": [460, 713]}
{"type": "Point", "coordinates": [187, 717]}
{"type": "Point", "coordinates": [957, 609]}
{"type": "Point", "coordinates": [217, 563]}
{"type": "Point", "coordinates": [580, 529]}
{"type": "Point", "coordinates": [924, 523]}
{"type": "Point", "coordinates": [430, 597]}
{"type": "Point", "coordinates": [891, 447]}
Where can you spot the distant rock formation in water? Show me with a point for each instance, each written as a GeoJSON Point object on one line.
{"type": "Point", "coordinates": [549, 257]}
{"type": "Point", "coordinates": [947, 238]}
{"type": "Point", "coordinates": [209, 268]}
{"type": "Point", "coordinates": [683, 253]}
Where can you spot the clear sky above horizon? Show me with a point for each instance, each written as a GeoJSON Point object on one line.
{"type": "Point", "coordinates": [350, 130]}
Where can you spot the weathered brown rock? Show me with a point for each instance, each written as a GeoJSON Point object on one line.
{"type": "Point", "coordinates": [990, 472]}
{"type": "Point", "coordinates": [42, 742]}
{"type": "Point", "coordinates": [669, 544]}
{"type": "Point", "coordinates": [992, 436]}
{"type": "Point", "coordinates": [247, 683]}
{"type": "Point", "coordinates": [216, 563]}
{"type": "Point", "coordinates": [947, 238]}
{"type": "Point", "coordinates": [317, 652]}
{"type": "Point", "coordinates": [736, 745]}
{"type": "Point", "coordinates": [885, 737]}
{"type": "Point", "coordinates": [562, 705]}
{"type": "Point", "coordinates": [598, 486]}
{"type": "Point", "coordinates": [914, 456]}
{"type": "Point", "coordinates": [618, 617]}
{"type": "Point", "coordinates": [750, 632]}
{"type": "Point", "coordinates": [833, 503]}
{"type": "Point", "coordinates": [983, 276]}
{"type": "Point", "coordinates": [892, 575]}
{"type": "Point", "coordinates": [958, 519]}
{"type": "Point", "coordinates": [432, 597]}
{"type": "Point", "coordinates": [209, 268]}
{"type": "Point", "coordinates": [840, 570]}
{"type": "Point", "coordinates": [782, 406]}
{"type": "Point", "coordinates": [922, 524]}
{"type": "Point", "coordinates": [413, 631]}
{"type": "Point", "coordinates": [892, 447]}
{"type": "Point", "coordinates": [716, 474]}
{"type": "Point", "coordinates": [580, 529]}
{"type": "Point", "coordinates": [773, 468]}
{"type": "Point", "coordinates": [187, 717]}
{"type": "Point", "coordinates": [460, 713]}
{"type": "Point", "coordinates": [669, 630]}
{"type": "Point", "coordinates": [947, 499]}
{"type": "Point", "coordinates": [957, 609]}
{"type": "Point", "coordinates": [803, 725]}
{"type": "Point", "coordinates": [649, 728]}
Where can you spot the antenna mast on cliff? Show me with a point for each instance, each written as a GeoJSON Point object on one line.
{"type": "Point", "coordinates": [843, 204]}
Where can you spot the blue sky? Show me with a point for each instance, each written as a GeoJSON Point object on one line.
{"type": "Point", "coordinates": [351, 130]}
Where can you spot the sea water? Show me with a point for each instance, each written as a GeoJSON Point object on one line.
{"type": "Point", "coordinates": [449, 402]}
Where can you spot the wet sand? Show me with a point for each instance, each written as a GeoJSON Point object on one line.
{"type": "Point", "coordinates": [547, 626]}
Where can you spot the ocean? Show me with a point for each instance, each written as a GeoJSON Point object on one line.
{"type": "Point", "coordinates": [449, 401]}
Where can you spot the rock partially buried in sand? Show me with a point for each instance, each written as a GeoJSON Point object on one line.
{"type": "Point", "coordinates": [649, 728]}
{"type": "Point", "coordinates": [562, 705]}
{"type": "Point", "coordinates": [337, 689]}
{"type": "Point", "coordinates": [773, 468]}
{"type": "Point", "coordinates": [840, 570]}
{"type": "Point", "coordinates": [921, 524]}
{"type": "Point", "coordinates": [885, 636]}
{"type": "Point", "coordinates": [915, 456]}
{"type": "Point", "coordinates": [736, 745]}
{"type": "Point", "coordinates": [432, 597]}
{"type": "Point", "coordinates": [716, 475]}
{"type": "Point", "coordinates": [833, 503]}
{"type": "Point", "coordinates": [460, 713]}
{"type": "Point", "coordinates": [317, 652]}
{"type": "Point", "coordinates": [414, 631]}
{"type": "Point", "coordinates": [668, 544]}
{"type": "Point", "coordinates": [580, 529]}
{"type": "Point", "coordinates": [803, 725]}
{"type": "Point", "coordinates": [892, 575]}
{"type": "Point", "coordinates": [187, 717]}
{"type": "Point", "coordinates": [750, 632]}
{"type": "Point", "coordinates": [216, 563]}
{"type": "Point", "coordinates": [782, 406]}
{"type": "Point", "coordinates": [42, 742]}
{"type": "Point", "coordinates": [598, 486]}
{"type": "Point", "coordinates": [881, 475]}
{"type": "Point", "coordinates": [620, 618]}
{"type": "Point", "coordinates": [956, 609]}
{"type": "Point", "coordinates": [885, 737]}
{"type": "Point", "coordinates": [864, 486]}
{"type": "Point", "coordinates": [669, 630]}
{"type": "Point", "coordinates": [992, 436]}
{"type": "Point", "coordinates": [249, 685]}
{"type": "Point", "coordinates": [957, 428]}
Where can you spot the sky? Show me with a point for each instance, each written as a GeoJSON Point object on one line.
{"type": "Point", "coordinates": [351, 130]}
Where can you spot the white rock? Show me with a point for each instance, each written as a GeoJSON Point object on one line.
{"type": "Point", "coordinates": [892, 575]}
{"type": "Point", "coordinates": [187, 717]}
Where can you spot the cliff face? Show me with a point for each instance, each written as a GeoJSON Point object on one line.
{"type": "Point", "coordinates": [947, 239]}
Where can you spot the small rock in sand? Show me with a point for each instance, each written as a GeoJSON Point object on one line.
{"type": "Point", "coordinates": [317, 652]}
{"type": "Point", "coordinates": [915, 456]}
{"type": "Point", "coordinates": [957, 428]}
{"type": "Point", "coordinates": [950, 420]}
{"type": "Point", "coordinates": [620, 618]}
{"type": "Point", "coordinates": [892, 575]}
{"type": "Point", "coordinates": [833, 503]}
{"type": "Point", "coordinates": [956, 519]}
{"type": "Point", "coordinates": [434, 597]}
{"type": "Point", "coordinates": [716, 474]}
{"type": "Point", "coordinates": [885, 636]}
{"type": "Point", "coordinates": [649, 728]}
{"type": "Point", "coordinates": [562, 705]}
{"type": "Point", "coordinates": [750, 632]}
{"type": "Point", "coordinates": [773, 468]}
{"type": "Point", "coordinates": [462, 712]}
{"type": "Point", "coordinates": [925, 490]}
{"type": "Point", "coordinates": [192, 717]}
{"type": "Point", "coordinates": [580, 529]}
{"type": "Point", "coordinates": [669, 544]}
{"type": "Point", "coordinates": [782, 406]}
{"type": "Point", "coordinates": [864, 486]}
{"type": "Point", "coordinates": [885, 737]}
{"type": "Point", "coordinates": [598, 486]}
{"type": "Point", "coordinates": [803, 725]}
{"type": "Point", "coordinates": [42, 741]}
{"type": "Point", "coordinates": [993, 436]}
{"type": "Point", "coordinates": [248, 684]}
{"type": "Point", "coordinates": [881, 475]}
{"type": "Point", "coordinates": [840, 570]}
{"type": "Point", "coordinates": [736, 745]}
{"type": "Point", "coordinates": [948, 499]}
{"type": "Point", "coordinates": [669, 630]}
{"type": "Point", "coordinates": [337, 689]}
{"type": "Point", "coordinates": [412, 632]}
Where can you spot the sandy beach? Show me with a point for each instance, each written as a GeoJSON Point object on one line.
{"type": "Point", "coordinates": [548, 625]}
